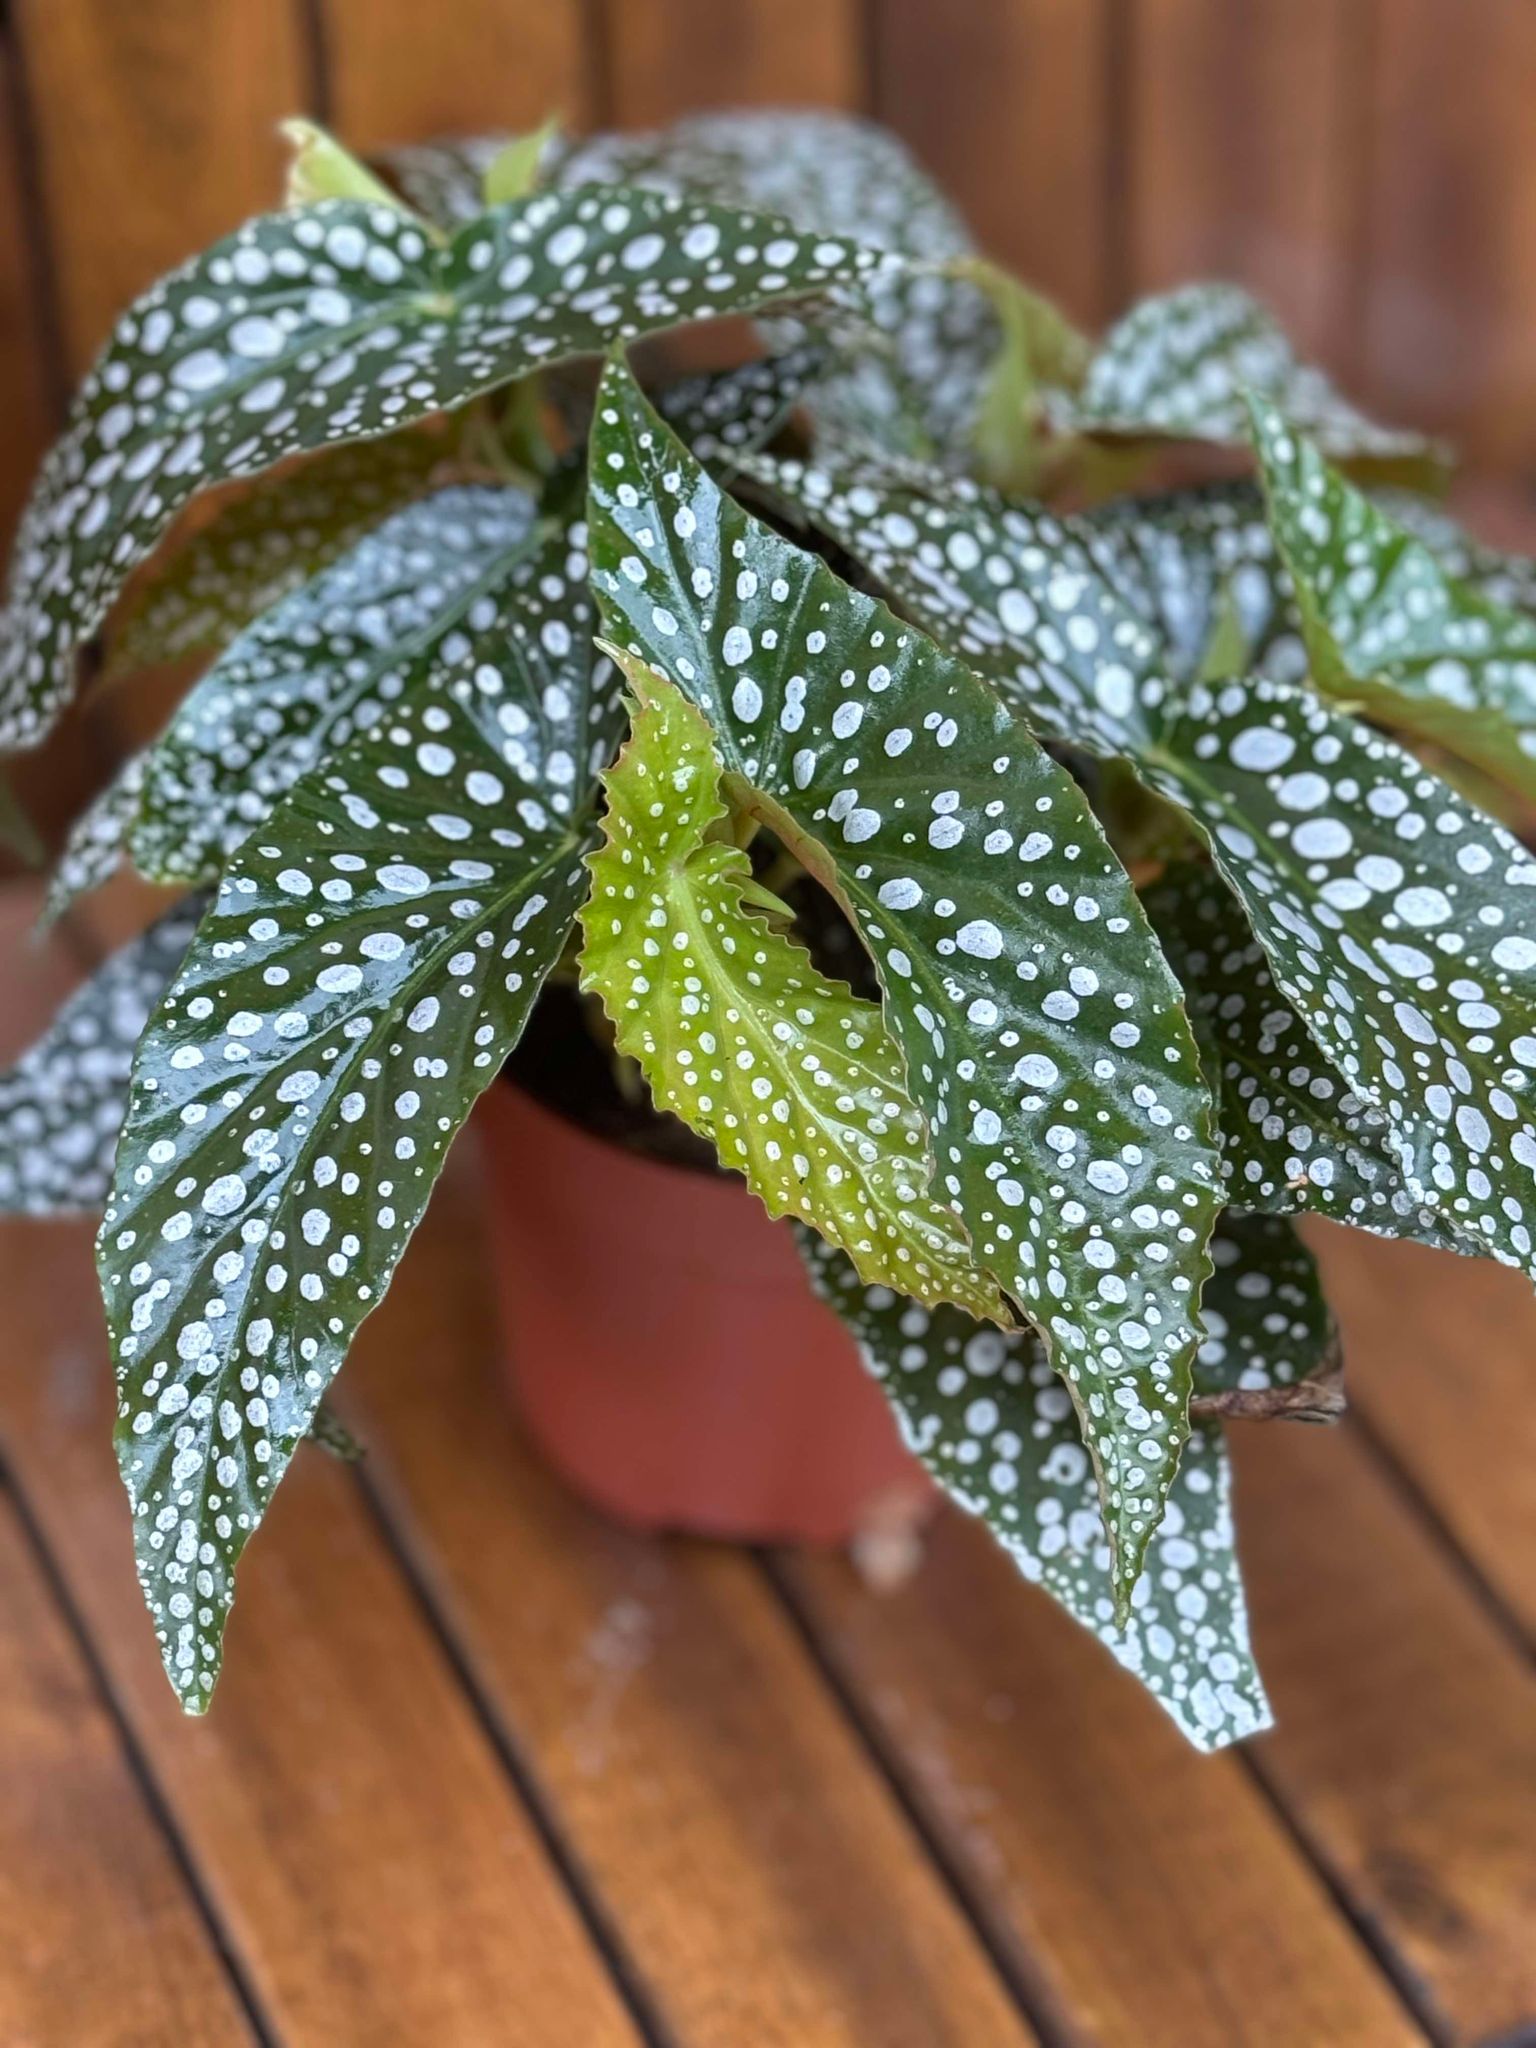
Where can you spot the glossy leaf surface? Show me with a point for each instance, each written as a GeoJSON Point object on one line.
{"type": "Point", "coordinates": [61, 1104]}
{"type": "Point", "coordinates": [1265, 1325]}
{"type": "Point", "coordinates": [342, 322]}
{"type": "Point", "coordinates": [368, 963]}
{"type": "Point", "coordinates": [795, 1080]}
{"type": "Point", "coordinates": [990, 1420]}
{"type": "Point", "coordinates": [1041, 1028]}
{"type": "Point", "coordinates": [1389, 632]}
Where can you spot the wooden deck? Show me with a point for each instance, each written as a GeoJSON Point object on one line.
{"type": "Point", "coordinates": [485, 1770]}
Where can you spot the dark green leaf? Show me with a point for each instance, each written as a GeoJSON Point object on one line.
{"type": "Point", "coordinates": [445, 181]}
{"type": "Point", "coordinates": [1393, 914]}
{"type": "Point", "coordinates": [1269, 1346]}
{"type": "Point", "coordinates": [1502, 578]}
{"type": "Point", "coordinates": [730, 412]}
{"type": "Point", "coordinates": [368, 964]}
{"type": "Point", "coordinates": [265, 544]}
{"type": "Point", "coordinates": [993, 1424]}
{"type": "Point", "coordinates": [1178, 365]}
{"type": "Point", "coordinates": [61, 1105]}
{"type": "Point", "coordinates": [410, 600]}
{"type": "Point", "coordinates": [792, 1078]}
{"type": "Point", "coordinates": [1294, 1137]}
{"type": "Point", "coordinates": [1388, 631]}
{"type": "Point", "coordinates": [1041, 1027]}
{"type": "Point", "coordinates": [94, 849]}
{"type": "Point", "coordinates": [341, 322]}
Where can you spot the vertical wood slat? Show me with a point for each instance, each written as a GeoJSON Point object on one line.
{"type": "Point", "coordinates": [671, 57]}
{"type": "Point", "coordinates": [28, 412]}
{"type": "Point", "coordinates": [156, 134]}
{"type": "Point", "coordinates": [1450, 292]}
{"type": "Point", "coordinates": [481, 65]}
{"type": "Point", "coordinates": [1242, 125]}
{"type": "Point", "coordinates": [1007, 102]}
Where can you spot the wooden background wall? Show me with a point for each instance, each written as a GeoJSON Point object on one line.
{"type": "Point", "coordinates": [1369, 165]}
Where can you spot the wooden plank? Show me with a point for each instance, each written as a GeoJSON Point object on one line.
{"type": "Point", "coordinates": [156, 132]}
{"type": "Point", "coordinates": [103, 1940]}
{"type": "Point", "coordinates": [1242, 124]}
{"type": "Point", "coordinates": [1450, 287]}
{"type": "Point", "coordinates": [1406, 1747]}
{"type": "Point", "coordinates": [1163, 1903]}
{"type": "Point", "coordinates": [1438, 1352]}
{"type": "Point", "coordinates": [766, 1888]}
{"type": "Point", "coordinates": [485, 65]}
{"type": "Point", "coordinates": [27, 418]}
{"type": "Point", "coordinates": [1008, 104]}
{"type": "Point", "coordinates": [370, 1861]}
{"type": "Point", "coordinates": [672, 57]}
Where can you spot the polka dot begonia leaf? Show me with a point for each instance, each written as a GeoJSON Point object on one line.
{"type": "Point", "coordinates": [1394, 915]}
{"type": "Point", "coordinates": [915, 382]}
{"type": "Point", "coordinates": [445, 180]}
{"type": "Point", "coordinates": [367, 965]}
{"type": "Point", "coordinates": [795, 1080]}
{"type": "Point", "coordinates": [421, 593]}
{"type": "Point", "coordinates": [341, 322]}
{"type": "Point", "coordinates": [265, 544]}
{"type": "Point", "coordinates": [1179, 364]}
{"type": "Point", "coordinates": [1389, 632]}
{"type": "Point", "coordinates": [1042, 1030]}
{"type": "Point", "coordinates": [1265, 1324]}
{"type": "Point", "coordinates": [94, 848]}
{"type": "Point", "coordinates": [1505, 579]}
{"type": "Point", "coordinates": [1294, 1136]}
{"type": "Point", "coordinates": [61, 1104]}
{"type": "Point", "coordinates": [993, 1424]}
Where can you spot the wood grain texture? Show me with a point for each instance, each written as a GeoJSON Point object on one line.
{"type": "Point", "coordinates": [1242, 126]}
{"type": "Point", "coordinates": [370, 1861]}
{"type": "Point", "coordinates": [103, 1941]}
{"type": "Point", "coordinates": [1007, 102]}
{"type": "Point", "coordinates": [156, 128]}
{"type": "Point", "coordinates": [479, 66]}
{"type": "Point", "coordinates": [27, 417]}
{"type": "Point", "coordinates": [754, 1866]}
{"type": "Point", "coordinates": [1406, 1746]}
{"type": "Point", "coordinates": [1153, 1890]}
{"type": "Point", "coordinates": [671, 57]}
{"type": "Point", "coordinates": [1450, 289]}
{"type": "Point", "coordinates": [1438, 1352]}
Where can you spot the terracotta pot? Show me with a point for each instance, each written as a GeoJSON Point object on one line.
{"type": "Point", "coordinates": [666, 1350]}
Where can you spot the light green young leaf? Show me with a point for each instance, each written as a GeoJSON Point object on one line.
{"type": "Point", "coordinates": [1393, 914]}
{"type": "Point", "coordinates": [342, 322]}
{"type": "Point", "coordinates": [1294, 1136]}
{"type": "Point", "coordinates": [61, 1104]}
{"type": "Point", "coordinates": [794, 1079]}
{"type": "Point", "coordinates": [1042, 1032]}
{"type": "Point", "coordinates": [1179, 363]}
{"type": "Point", "coordinates": [321, 169]}
{"type": "Point", "coordinates": [1389, 632]}
{"type": "Point", "coordinates": [409, 601]}
{"type": "Point", "coordinates": [514, 170]}
{"type": "Point", "coordinates": [993, 1424]}
{"type": "Point", "coordinates": [279, 533]}
{"type": "Point", "coordinates": [368, 964]}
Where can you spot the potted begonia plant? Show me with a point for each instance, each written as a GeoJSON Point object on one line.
{"type": "Point", "coordinates": [837, 788]}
